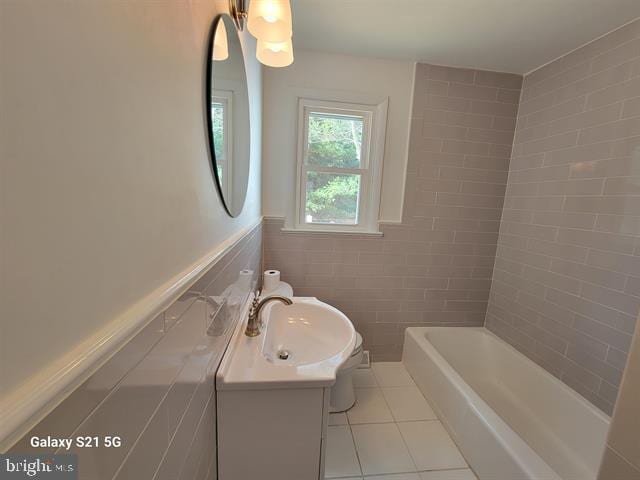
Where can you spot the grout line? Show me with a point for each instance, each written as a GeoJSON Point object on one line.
{"type": "Point", "coordinates": [355, 448]}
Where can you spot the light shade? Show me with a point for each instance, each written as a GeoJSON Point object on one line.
{"type": "Point", "coordinates": [275, 54]}
{"type": "Point", "coordinates": [220, 42]}
{"type": "Point", "coordinates": [270, 20]}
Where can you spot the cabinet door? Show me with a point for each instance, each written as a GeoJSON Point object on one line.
{"type": "Point", "coordinates": [270, 434]}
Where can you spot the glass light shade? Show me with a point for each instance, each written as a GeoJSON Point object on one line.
{"type": "Point", "coordinates": [270, 20]}
{"type": "Point", "coordinates": [220, 43]}
{"type": "Point", "coordinates": [275, 54]}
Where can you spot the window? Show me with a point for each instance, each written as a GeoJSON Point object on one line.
{"type": "Point", "coordinates": [340, 147]}
{"type": "Point", "coordinates": [221, 109]}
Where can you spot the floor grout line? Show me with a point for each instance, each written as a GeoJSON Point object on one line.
{"type": "Point", "coordinates": [355, 448]}
{"type": "Point", "coordinates": [406, 445]}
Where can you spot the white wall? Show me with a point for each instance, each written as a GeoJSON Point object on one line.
{"type": "Point", "coordinates": [106, 189]}
{"type": "Point", "coordinates": [341, 78]}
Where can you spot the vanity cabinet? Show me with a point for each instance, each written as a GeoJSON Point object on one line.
{"type": "Point", "coordinates": [276, 434]}
{"type": "Point", "coordinates": [273, 391]}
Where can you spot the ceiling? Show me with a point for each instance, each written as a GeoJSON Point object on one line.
{"type": "Point", "coordinates": [504, 35]}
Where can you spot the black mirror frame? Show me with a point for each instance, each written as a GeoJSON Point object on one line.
{"type": "Point", "coordinates": [207, 107]}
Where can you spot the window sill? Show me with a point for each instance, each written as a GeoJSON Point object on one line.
{"type": "Point", "coordinates": [350, 233]}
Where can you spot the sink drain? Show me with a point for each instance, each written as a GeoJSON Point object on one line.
{"type": "Point", "coordinates": [284, 354]}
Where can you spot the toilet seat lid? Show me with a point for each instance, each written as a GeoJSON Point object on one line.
{"type": "Point", "coordinates": [358, 345]}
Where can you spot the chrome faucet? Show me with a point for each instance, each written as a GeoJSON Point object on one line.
{"type": "Point", "coordinates": [254, 324]}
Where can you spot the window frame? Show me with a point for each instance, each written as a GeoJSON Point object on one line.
{"type": "Point", "coordinates": [225, 98]}
{"type": "Point", "coordinates": [370, 171]}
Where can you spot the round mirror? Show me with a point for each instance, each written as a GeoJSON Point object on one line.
{"type": "Point", "coordinates": [227, 110]}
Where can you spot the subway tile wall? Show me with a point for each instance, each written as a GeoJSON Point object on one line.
{"type": "Point", "coordinates": [566, 282]}
{"type": "Point", "coordinates": [435, 267]}
{"type": "Point", "coordinates": [157, 392]}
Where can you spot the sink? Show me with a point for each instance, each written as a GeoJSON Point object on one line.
{"type": "Point", "coordinates": [305, 333]}
{"type": "Point", "coordinates": [300, 345]}
{"type": "Point", "coordinates": [273, 390]}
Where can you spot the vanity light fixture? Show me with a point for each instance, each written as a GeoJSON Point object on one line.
{"type": "Point", "coordinates": [270, 22]}
{"type": "Point", "coordinates": [238, 12]}
{"type": "Point", "coordinates": [275, 54]}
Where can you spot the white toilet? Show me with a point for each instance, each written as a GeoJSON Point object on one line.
{"type": "Point", "coordinates": [343, 395]}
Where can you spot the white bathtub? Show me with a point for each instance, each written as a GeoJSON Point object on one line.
{"type": "Point", "coordinates": [511, 419]}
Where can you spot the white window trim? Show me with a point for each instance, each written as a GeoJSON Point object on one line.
{"type": "Point", "coordinates": [374, 141]}
{"type": "Point", "coordinates": [225, 97]}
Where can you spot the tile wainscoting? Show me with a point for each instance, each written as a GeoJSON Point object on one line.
{"type": "Point", "coordinates": [157, 391]}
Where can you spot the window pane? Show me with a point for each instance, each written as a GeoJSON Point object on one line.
{"type": "Point", "coordinates": [218, 122]}
{"type": "Point", "coordinates": [334, 140]}
{"type": "Point", "coordinates": [332, 198]}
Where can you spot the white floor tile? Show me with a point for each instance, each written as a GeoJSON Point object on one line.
{"type": "Point", "coordinates": [363, 377]}
{"type": "Point", "coordinates": [407, 404]}
{"type": "Point", "coordinates": [338, 418]}
{"type": "Point", "coordinates": [395, 476]}
{"type": "Point", "coordinates": [381, 449]}
{"type": "Point", "coordinates": [465, 474]}
{"type": "Point", "coordinates": [370, 407]}
{"type": "Point", "coordinates": [391, 374]}
{"type": "Point", "coordinates": [341, 459]}
{"type": "Point", "coordinates": [430, 446]}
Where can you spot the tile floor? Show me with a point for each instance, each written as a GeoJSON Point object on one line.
{"type": "Point", "coordinates": [391, 433]}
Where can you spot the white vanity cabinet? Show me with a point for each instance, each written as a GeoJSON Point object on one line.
{"type": "Point", "coordinates": [273, 391]}
{"type": "Point", "coordinates": [276, 434]}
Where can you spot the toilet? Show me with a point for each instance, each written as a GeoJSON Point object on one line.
{"type": "Point", "coordinates": [343, 395]}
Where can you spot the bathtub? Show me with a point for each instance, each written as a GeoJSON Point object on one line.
{"type": "Point", "coordinates": [510, 418]}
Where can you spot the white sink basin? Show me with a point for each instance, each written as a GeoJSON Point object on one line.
{"type": "Point", "coordinates": [307, 332]}
{"type": "Point", "coordinates": [302, 344]}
